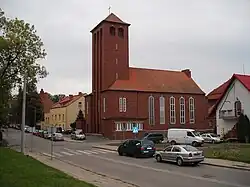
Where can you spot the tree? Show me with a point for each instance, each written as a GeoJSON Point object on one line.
{"type": "Point", "coordinates": [243, 128]}
{"type": "Point", "coordinates": [34, 107]}
{"type": "Point", "coordinates": [73, 125]}
{"type": "Point", "coordinates": [56, 98]}
{"type": "Point", "coordinates": [20, 50]}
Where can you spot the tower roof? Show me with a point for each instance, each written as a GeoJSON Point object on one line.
{"type": "Point", "coordinates": [112, 18]}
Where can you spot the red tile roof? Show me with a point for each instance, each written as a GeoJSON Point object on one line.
{"type": "Point", "coordinates": [152, 80]}
{"type": "Point", "coordinates": [46, 101]}
{"type": "Point", "coordinates": [244, 79]}
{"type": "Point", "coordinates": [111, 18]}
{"type": "Point", "coordinates": [216, 93]}
{"type": "Point", "coordinates": [66, 101]}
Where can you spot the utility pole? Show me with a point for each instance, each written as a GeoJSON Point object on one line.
{"type": "Point", "coordinates": [23, 116]}
{"type": "Point", "coordinates": [31, 143]}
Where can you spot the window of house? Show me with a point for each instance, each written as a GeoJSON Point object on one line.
{"type": "Point", "coordinates": [112, 31]}
{"type": "Point", "coordinates": [121, 32]}
{"type": "Point", "coordinates": [182, 110]}
{"type": "Point", "coordinates": [55, 117]}
{"type": "Point", "coordinates": [104, 104]}
{"type": "Point", "coordinates": [151, 110]}
{"type": "Point", "coordinates": [116, 76]}
{"type": "Point", "coordinates": [162, 110]}
{"type": "Point", "coordinates": [79, 104]}
{"type": "Point", "coordinates": [191, 110]}
{"type": "Point", "coordinates": [116, 61]}
{"type": "Point", "coordinates": [118, 126]}
{"type": "Point", "coordinates": [172, 110]}
{"type": "Point", "coordinates": [122, 104]}
{"type": "Point", "coordinates": [116, 46]}
{"type": "Point", "coordinates": [59, 116]}
{"type": "Point", "coordinates": [63, 117]}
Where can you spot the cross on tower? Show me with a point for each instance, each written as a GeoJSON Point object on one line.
{"type": "Point", "coordinates": [109, 9]}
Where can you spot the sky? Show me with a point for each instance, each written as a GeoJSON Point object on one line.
{"type": "Point", "coordinates": [210, 37]}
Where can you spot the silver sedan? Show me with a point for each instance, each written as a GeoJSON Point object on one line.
{"type": "Point", "coordinates": [180, 154]}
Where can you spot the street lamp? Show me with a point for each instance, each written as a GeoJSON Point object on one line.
{"type": "Point", "coordinates": [23, 115]}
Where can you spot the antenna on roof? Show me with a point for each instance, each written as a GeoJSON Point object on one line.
{"type": "Point", "coordinates": [243, 69]}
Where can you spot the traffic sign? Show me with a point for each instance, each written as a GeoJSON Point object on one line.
{"type": "Point", "coordinates": [135, 130]}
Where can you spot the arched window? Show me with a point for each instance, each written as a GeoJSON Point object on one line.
{"type": "Point", "coordinates": [162, 110]}
{"type": "Point", "coordinates": [112, 31]}
{"type": "Point", "coordinates": [191, 110]}
{"type": "Point", "coordinates": [182, 110]}
{"type": "Point", "coordinates": [172, 110]}
{"type": "Point", "coordinates": [151, 110]}
{"type": "Point", "coordinates": [237, 107]}
{"type": "Point", "coordinates": [121, 32]}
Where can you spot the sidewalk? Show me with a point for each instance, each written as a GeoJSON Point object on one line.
{"type": "Point", "coordinates": [80, 173]}
{"type": "Point", "coordinates": [207, 161]}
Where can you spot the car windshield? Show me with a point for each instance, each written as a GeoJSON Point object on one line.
{"type": "Point", "coordinates": [147, 142]}
{"type": "Point", "coordinates": [214, 135]}
{"type": "Point", "coordinates": [190, 148]}
{"type": "Point", "coordinates": [196, 133]}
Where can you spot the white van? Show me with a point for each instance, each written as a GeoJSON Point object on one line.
{"type": "Point", "coordinates": [184, 136]}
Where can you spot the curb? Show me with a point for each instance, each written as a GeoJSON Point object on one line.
{"type": "Point", "coordinates": [229, 167]}
{"type": "Point", "coordinates": [203, 163]}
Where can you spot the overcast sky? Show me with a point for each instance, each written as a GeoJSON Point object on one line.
{"type": "Point", "coordinates": [211, 37]}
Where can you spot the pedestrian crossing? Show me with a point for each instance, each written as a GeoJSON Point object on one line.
{"type": "Point", "coordinates": [71, 152]}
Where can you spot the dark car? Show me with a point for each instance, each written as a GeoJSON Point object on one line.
{"type": "Point", "coordinates": [154, 137]}
{"type": "Point", "coordinates": [137, 148]}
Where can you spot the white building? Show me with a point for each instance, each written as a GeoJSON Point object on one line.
{"type": "Point", "coordinates": [234, 101]}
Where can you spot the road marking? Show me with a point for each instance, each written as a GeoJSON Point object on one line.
{"type": "Point", "coordinates": [84, 152]}
{"type": "Point", "coordinates": [72, 151]}
{"type": "Point", "coordinates": [93, 152]}
{"type": "Point", "coordinates": [69, 154]}
{"type": "Point", "coordinates": [46, 154]}
{"type": "Point", "coordinates": [57, 154]}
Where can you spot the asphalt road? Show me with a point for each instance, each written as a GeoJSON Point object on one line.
{"type": "Point", "coordinates": [142, 172]}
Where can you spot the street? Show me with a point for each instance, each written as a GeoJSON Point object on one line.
{"type": "Point", "coordinates": [144, 172]}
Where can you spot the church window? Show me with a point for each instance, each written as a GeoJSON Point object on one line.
{"type": "Point", "coordinates": [151, 110]}
{"type": "Point", "coordinates": [121, 32]}
{"type": "Point", "coordinates": [112, 31]}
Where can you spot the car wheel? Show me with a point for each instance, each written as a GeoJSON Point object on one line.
{"type": "Point", "coordinates": [196, 163]}
{"type": "Point", "coordinates": [120, 153]}
{"type": "Point", "coordinates": [179, 161]}
{"type": "Point", "coordinates": [172, 142]}
{"type": "Point", "coordinates": [158, 158]}
{"type": "Point", "coordinates": [194, 144]}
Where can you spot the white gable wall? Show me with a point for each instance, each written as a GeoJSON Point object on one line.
{"type": "Point", "coordinates": [238, 91]}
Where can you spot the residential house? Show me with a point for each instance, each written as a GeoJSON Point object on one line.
{"type": "Point", "coordinates": [64, 112]}
{"type": "Point", "coordinates": [47, 104]}
{"type": "Point", "coordinates": [213, 97]}
{"type": "Point", "coordinates": [234, 100]}
{"type": "Point", "coordinates": [124, 97]}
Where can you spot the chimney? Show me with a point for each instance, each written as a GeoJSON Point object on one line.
{"type": "Point", "coordinates": [70, 96]}
{"type": "Point", "coordinates": [41, 92]}
{"type": "Point", "coordinates": [187, 72]}
{"type": "Point", "coordinates": [79, 93]}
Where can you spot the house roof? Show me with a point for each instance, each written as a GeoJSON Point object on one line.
{"type": "Point", "coordinates": [152, 80]}
{"type": "Point", "coordinates": [216, 93]}
{"type": "Point", "coordinates": [66, 101]}
{"type": "Point", "coordinates": [245, 81]}
{"type": "Point", "coordinates": [112, 18]}
{"type": "Point", "coordinates": [46, 101]}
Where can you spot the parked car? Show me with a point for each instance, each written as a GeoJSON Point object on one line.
{"type": "Point", "coordinates": [26, 129]}
{"type": "Point", "coordinates": [154, 137]}
{"type": "Point", "coordinates": [47, 135]}
{"type": "Point", "coordinates": [57, 137]}
{"type": "Point", "coordinates": [36, 132]}
{"type": "Point", "coordinates": [78, 135]}
{"type": "Point", "coordinates": [180, 154]}
{"type": "Point", "coordinates": [184, 136]}
{"type": "Point", "coordinates": [211, 138]}
{"type": "Point", "coordinates": [137, 148]}
{"type": "Point", "coordinates": [67, 131]}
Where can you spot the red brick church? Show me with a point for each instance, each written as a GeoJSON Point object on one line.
{"type": "Point", "coordinates": [124, 97]}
